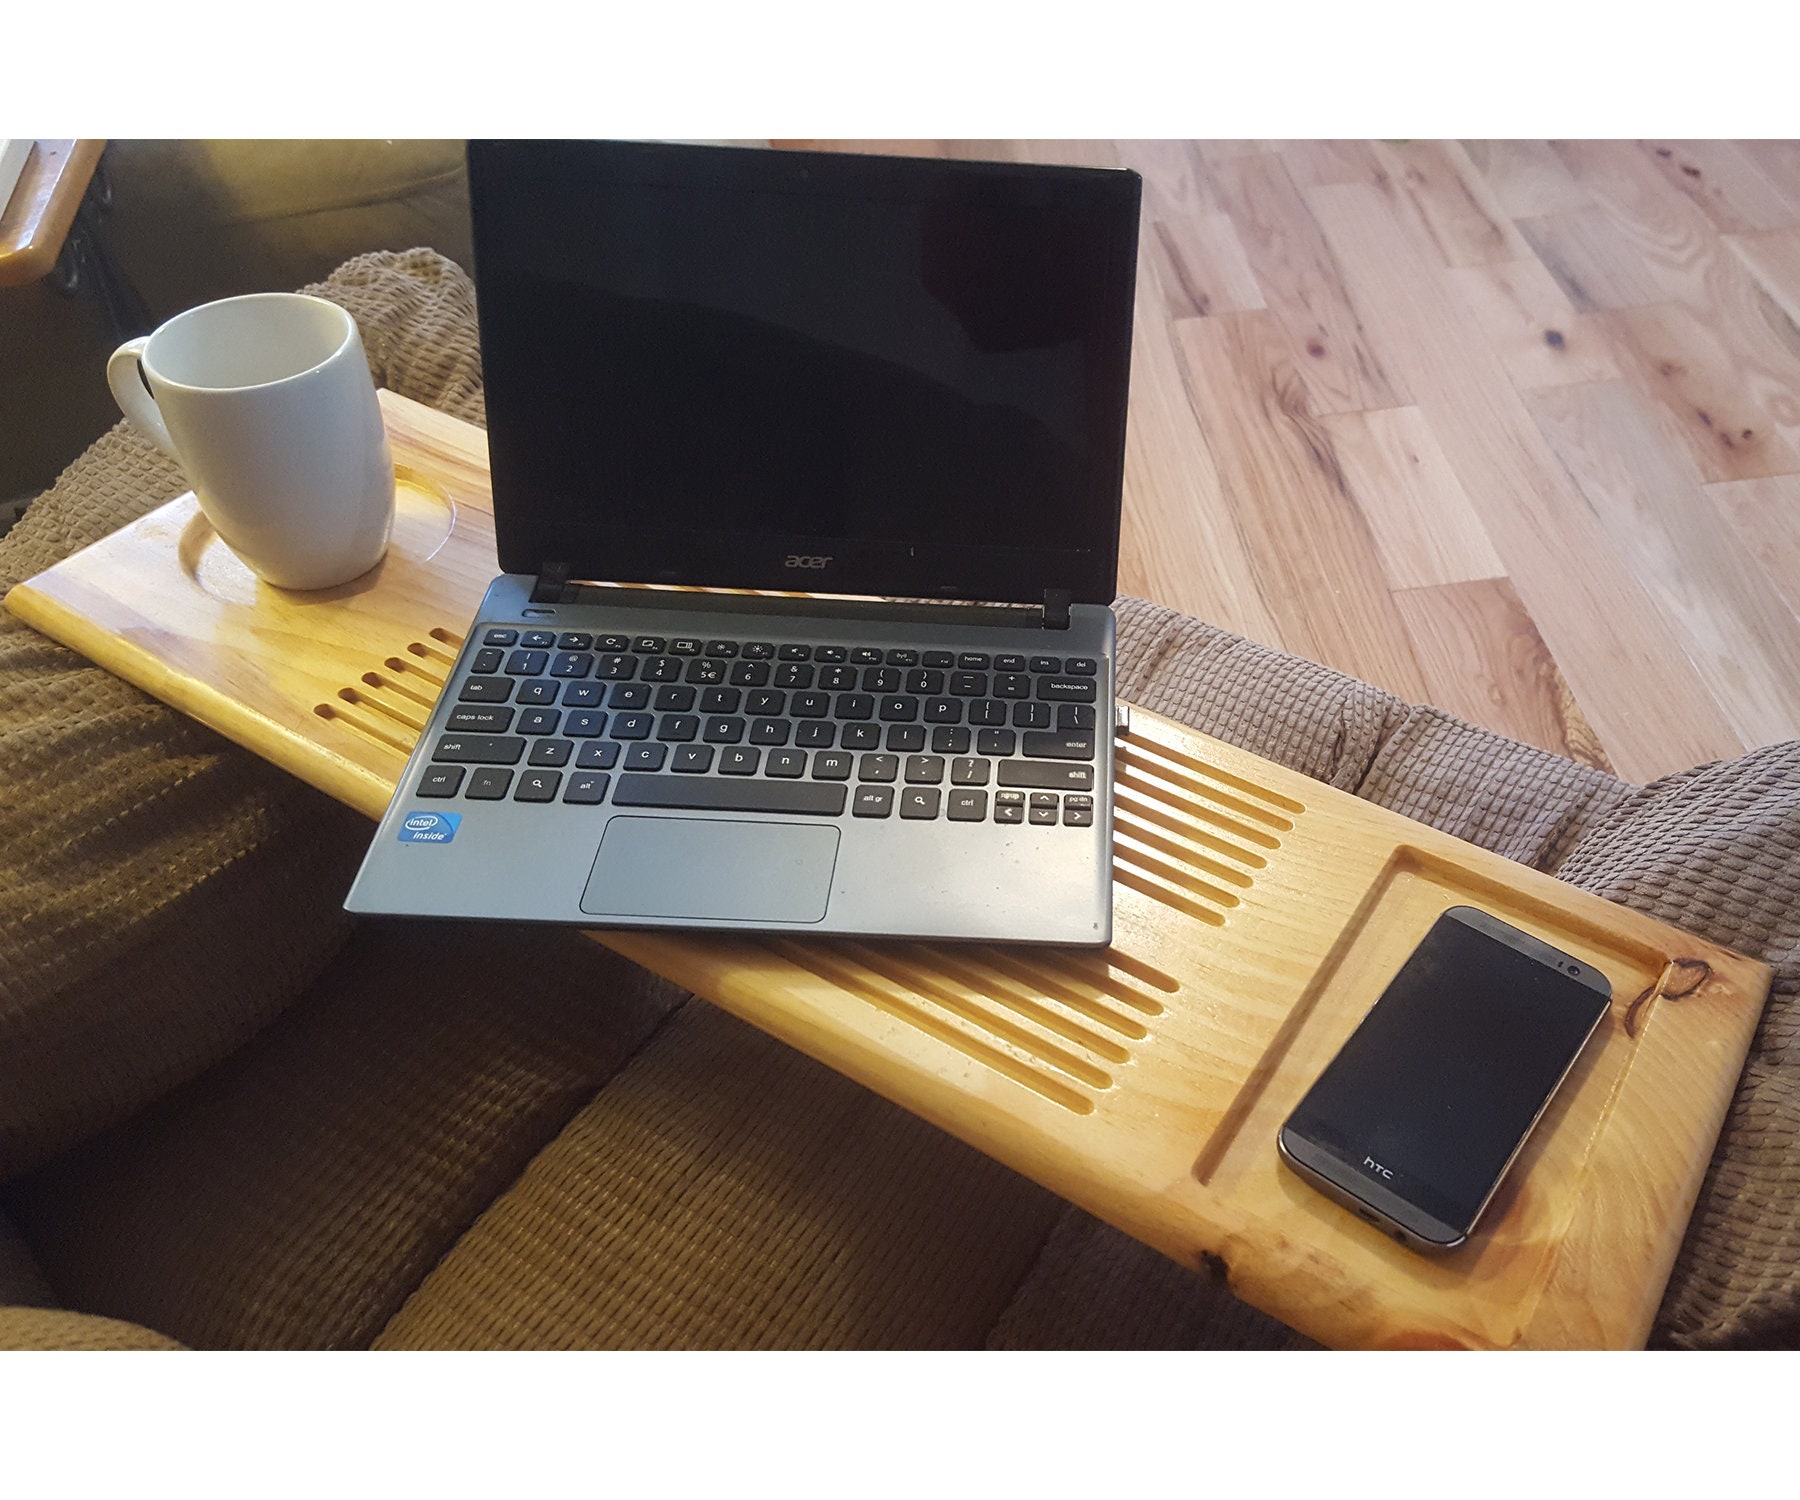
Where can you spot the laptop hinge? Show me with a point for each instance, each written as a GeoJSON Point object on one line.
{"type": "Point", "coordinates": [1056, 609]}
{"type": "Point", "coordinates": [552, 584]}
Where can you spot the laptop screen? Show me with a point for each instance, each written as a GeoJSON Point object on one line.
{"type": "Point", "coordinates": [748, 368]}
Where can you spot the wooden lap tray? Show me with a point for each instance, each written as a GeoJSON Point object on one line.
{"type": "Point", "coordinates": [1258, 915]}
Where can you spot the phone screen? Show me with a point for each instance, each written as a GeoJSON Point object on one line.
{"type": "Point", "coordinates": [1435, 1089]}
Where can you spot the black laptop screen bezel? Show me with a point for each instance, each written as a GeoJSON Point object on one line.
{"type": "Point", "coordinates": [531, 538]}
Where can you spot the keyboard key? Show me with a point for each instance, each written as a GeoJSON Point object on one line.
{"type": "Point", "coordinates": [924, 682]}
{"type": "Point", "coordinates": [873, 802]}
{"type": "Point", "coordinates": [707, 673]}
{"type": "Point", "coordinates": [632, 726]}
{"type": "Point", "coordinates": [739, 760]}
{"type": "Point", "coordinates": [832, 765]}
{"type": "Point", "coordinates": [613, 643]}
{"type": "Point", "coordinates": [542, 690]}
{"type": "Point", "coordinates": [996, 742]}
{"type": "Point", "coordinates": [899, 710]}
{"type": "Point", "coordinates": [1043, 807]}
{"type": "Point", "coordinates": [487, 660]}
{"type": "Point", "coordinates": [527, 663]}
{"type": "Point", "coordinates": [678, 728]}
{"type": "Point", "coordinates": [974, 661]}
{"type": "Point", "coordinates": [1009, 663]}
{"type": "Point", "coordinates": [811, 705]}
{"type": "Point", "coordinates": [854, 706]}
{"type": "Point", "coordinates": [831, 653]}
{"type": "Point", "coordinates": [440, 781]}
{"type": "Point", "coordinates": [1031, 715]}
{"type": "Point", "coordinates": [684, 646]}
{"type": "Point", "coordinates": [538, 638]}
{"type": "Point", "coordinates": [939, 659]}
{"type": "Point", "coordinates": [721, 794]}
{"type": "Point", "coordinates": [721, 648]}
{"type": "Point", "coordinates": [574, 640]}
{"type": "Point", "coordinates": [943, 711]}
{"type": "Point", "coordinates": [587, 786]}
{"type": "Point", "coordinates": [538, 786]}
{"type": "Point", "coordinates": [1066, 689]}
{"type": "Point", "coordinates": [927, 770]}
{"type": "Point", "coordinates": [765, 701]}
{"type": "Point", "coordinates": [479, 749]}
{"type": "Point", "coordinates": [1046, 664]}
{"type": "Point", "coordinates": [662, 669]}
{"type": "Point", "coordinates": [769, 731]}
{"type": "Point", "coordinates": [500, 638]}
{"type": "Point", "coordinates": [881, 680]}
{"type": "Point", "coordinates": [967, 807]}
{"type": "Point", "coordinates": [1081, 666]}
{"type": "Point", "coordinates": [597, 755]}
{"type": "Point", "coordinates": [615, 666]}
{"type": "Point", "coordinates": [920, 802]}
{"type": "Point", "coordinates": [648, 756]}
{"type": "Point", "coordinates": [749, 674]}
{"type": "Point", "coordinates": [905, 737]}
{"type": "Point", "coordinates": [1047, 773]}
{"type": "Point", "coordinates": [794, 653]}
{"type": "Point", "coordinates": [1078, 811]}
{"type": "Point", "coordinates": [865, 656]}
{"type": "Point", "coordinates": [879, 767]}
{"type": "Point", "coordinates": [787, 763]}
{"type": "Point", "coordinates": [541, 720]}
{"type": "Point", "coordinates": [950, 739]}
{"type": "Point", "coordinates": [485, 690]}
{"type": "Point", "coordinates": [970, 770]}
{"type": "Point", "coordinates": [721, 700]}
{"type": "Point", "coordinates": [583, 694]}
{"type": "Point", "coordinates": [987, 712]}
{"type": "Point", "coordinates": [815, 734]}
{"type": "Point", "coordinates": [585, 724]}
{"type": "Point", "coordinates": [674, 699]}
{"type": "Point", "coordinates": [692, 760]}
{"type": "Point", "coordinates": [900, 656]}
{"type": "Point", "coordinates": [550, 753]}
{"type": "Point", "coordinates": [1009, 807]}
{"type": "Point", "coordinates": [653, 643]}
{"type": "Point", "coordinates": [861, 737]}
{"type": "Point", "coordinates": [793, 675]}
{"type": "Point", "coordinates": [481, 720]}
{"type": "Point", "coordinates": [969, 684]}
{"type": "Point", "coordinates": [488, 784]}
{"type": "Point", "coordinates": [724, 731]}
{"type": "Point", "coordinates": [1012, 685]}
{"type": "Point", "coordinates": [629, 695]}
{"type": "Point", "coordinates": [759, 650]}
{"type": "Point", "coordinates": [1054, 745]}
{"type": "Point", "coordinates": [837, 679]}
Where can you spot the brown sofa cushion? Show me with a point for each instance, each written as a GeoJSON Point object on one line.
{"type": "Point", "coordinates": [165, 892]}
{"type": "Point", "coordinates": [24, 1328]}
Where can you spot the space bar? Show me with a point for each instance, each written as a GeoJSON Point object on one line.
{"type": "Point", "coordinates": [717, 794]}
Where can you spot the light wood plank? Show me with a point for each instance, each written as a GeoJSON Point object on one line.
{"type": "Point", "coordinates": [1457, 210]}
{"type": "Point", "coordinates": [1695, 377]}
{"type": "Point", "coordinates": [1773, 260]}
{"type": "Point", "coordinates": [1484, 660]}
{"type": "Point", "coordinates": [1425, 530]}
{"type": "Point", "coordinates": [1527, 178]}
{"type": "Point", "coordinates": [1201, 267]}
{"type": "Point", "coordinates": [1590, 262]}
{"type": "Point", "coordinates": [1724, 184]}
{"type": "Point", "coordinates": [1779, 161]}
{"type": "Point", "coordinates": [1304, 289]}
{"type": "Point", "coordinates": [1329, 163]}
{"type": "Point", "coordinates": [1176, 183]}
{"type": "Point", "coordinates": [1308, 541]}
{"type": "Point", "coordinates": [1742, 637]}
{"type": "Point", "coordinates": [1592, 612]}
{"type": "Point", "coordinates": [1531, 324]}
{"type": "Point", "coordinates": [1765, 514]}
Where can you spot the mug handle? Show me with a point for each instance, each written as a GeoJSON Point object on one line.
{"type": "Point", "coordinates": [134, 396]}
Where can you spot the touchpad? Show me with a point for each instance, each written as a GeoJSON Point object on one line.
{"type": "Point", "coordinates": [712, 870]}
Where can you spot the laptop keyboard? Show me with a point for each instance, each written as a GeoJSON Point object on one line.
{"type": "Point", "coordinates": [765, 726]}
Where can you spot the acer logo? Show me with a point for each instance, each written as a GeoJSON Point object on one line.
{"type": "Point", "coordinates": [1375, 1166]}
{"type": "Point", "coordinates": [795, 560]}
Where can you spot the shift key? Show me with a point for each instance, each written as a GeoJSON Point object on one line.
{"type": "Point", "coordinates": [480, 749]}
{"type": "Point", "coordinates": [1047, 775]}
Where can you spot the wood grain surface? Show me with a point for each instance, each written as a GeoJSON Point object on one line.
{"type": "Point", "coordinates": [1393, 315]}
{"type": "Point", "coordinates": [36, 217]}
{"type": "Point", "coordinates": [1258, 914]}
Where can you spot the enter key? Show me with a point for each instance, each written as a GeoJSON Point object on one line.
{"type": "Point", "coordinates": [1046, 744]}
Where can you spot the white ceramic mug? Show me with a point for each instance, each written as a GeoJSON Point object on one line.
{"type": "Point", "coordinates": [266, 403]}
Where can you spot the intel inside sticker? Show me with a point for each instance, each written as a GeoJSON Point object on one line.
{"type": "Point", "coordinates": [429, 827]}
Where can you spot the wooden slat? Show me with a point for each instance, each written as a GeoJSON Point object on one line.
{"type": "Point", "coordinates": [36, 217]}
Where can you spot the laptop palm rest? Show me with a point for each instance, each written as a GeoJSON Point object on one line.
{"type": "Point", "coordinates": [712, 869]}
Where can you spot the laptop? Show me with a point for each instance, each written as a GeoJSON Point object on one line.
{"type": "Point", "coordinates": [806, 478]}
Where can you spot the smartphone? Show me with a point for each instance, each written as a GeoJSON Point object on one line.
{"type": "Point", "coordinates": [1416, 1120]}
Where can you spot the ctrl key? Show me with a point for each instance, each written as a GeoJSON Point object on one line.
{"type": "Point", "coordinates": [440, 781]}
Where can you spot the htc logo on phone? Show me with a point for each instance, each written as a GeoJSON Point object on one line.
{"type": "Point", "coordinates": [1376, 1167]}
{"type": "Point", "coordinates": [795, 560]}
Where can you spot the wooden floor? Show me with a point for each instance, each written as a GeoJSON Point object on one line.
{"type": "Point", "coordinates": [1511, 427]}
